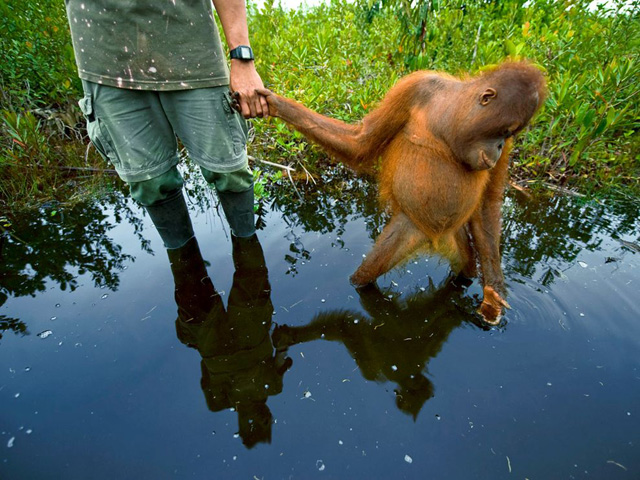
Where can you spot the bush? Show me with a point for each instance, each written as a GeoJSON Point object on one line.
{"type": "Point", "coordinates": [589, 126]}
{"type": "Point", "coordinates": [37, 66]}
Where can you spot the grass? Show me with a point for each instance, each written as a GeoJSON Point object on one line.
{"type": "Point", "coordinates": [340, 59]}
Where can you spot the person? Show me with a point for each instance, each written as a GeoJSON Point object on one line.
{"type": "Point", "coordinates": [240, 366]}
{"type": "Point", "coordinates": [153, 71]}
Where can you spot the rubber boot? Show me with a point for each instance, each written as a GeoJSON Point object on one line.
{"type": "Point", "coordinates": [195, 294]}
{"type": "Point", "coordinates": [171, 218]}
{"type": "Point", "coordinates": [238, 208]}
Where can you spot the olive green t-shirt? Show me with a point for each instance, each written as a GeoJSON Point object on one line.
{"type": "Point", "coordinates": [147, 44]}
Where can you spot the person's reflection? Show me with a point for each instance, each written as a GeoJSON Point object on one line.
{"type": "Point", "coordinates": [240, 368]}
{"type": "Point", "coordinates": [396, 343]}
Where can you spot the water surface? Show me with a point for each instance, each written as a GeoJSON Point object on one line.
{"type": "Point", "coordinates": [98, 380]}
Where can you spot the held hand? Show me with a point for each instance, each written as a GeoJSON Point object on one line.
{"type": "Point", "coordinates": [243, 83]}
{"type": "Point", "coordinates": [271, 99]}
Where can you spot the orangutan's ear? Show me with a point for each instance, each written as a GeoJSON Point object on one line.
{"type": "Point", "coordinates": [487, 95]}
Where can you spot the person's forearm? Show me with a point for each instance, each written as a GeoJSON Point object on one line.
{"type": "Point", "coordinates": [233, 17]}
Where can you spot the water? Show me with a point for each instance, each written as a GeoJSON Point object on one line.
{"type": "Point", "coordinates": [402, 381]}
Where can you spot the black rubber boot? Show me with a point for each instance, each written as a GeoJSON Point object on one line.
{"type": "Point", "coordinates": [171, 218]}
{"type": "Point", "coordinates": [238, 208]}
{"type": "Point", "coordinates": [194, 292]}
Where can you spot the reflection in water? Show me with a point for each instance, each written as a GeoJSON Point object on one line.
{"type": "Point", "coordinates": [398, 339]}
{"type": "Point", "coordinates": [544, 235]}
{"type": "Point", "coordinates": [59, 406]}
{"type": "Point", "coordinates": [240, 368]}
{"type": "Point", "coordinates": [61, 244]}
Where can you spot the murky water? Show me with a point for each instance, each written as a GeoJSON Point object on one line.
{"type": "Point", "coordinates": [98, 380]}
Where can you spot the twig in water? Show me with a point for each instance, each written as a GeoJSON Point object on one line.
{"type": "Point", "coordinates": [273, 164]}
{"type": "Point", "coordinates": [309, 176]}
{"type": "Point", "coordinates": [617, 464]}
{"type": "Point", "coordinates": [294, 185]}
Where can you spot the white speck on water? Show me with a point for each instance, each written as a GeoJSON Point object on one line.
{"type": "Point", "coordinates": [356, 321]}
{"type": "Point", "coordinates": [235, 457]}
{"type": "Point", "coordinates": [28, 431]}
{"type": "Point", "coordinates": [104, 296]}
{"type": "Point", "coordinates": [628, 414]}
{"type": "Point", "coordinates": [323, 300]}
{"type": "Point", "coordinates": [10, 442]}
{"type": "Point", "coordinates": [582, 314]}
{"type": "Point", "coordinates": [27, 369]}
{"type": "Point", "coordinates": [236, 435]}
{"type": "Point", "coordinates": [549, 384]}
{"type": "Point", "coordinates": [394, 368]}
{"type": "Point", "coordinates": [408, 459]}
{"type": "Point", "coordinates": [320, 465]}
{"type": "Point", "coordinates": [583, 265]}
{"type": "Point", "coordinates": [45, 334]}
{"type": "Point", "coordinates": [53, 319]}
{"type": "Point", "coordinates": [307, 394]}
{"type": "Point", "coordinates": [16, 395]}
{"type": "Point", "coordinates": [340, 442]}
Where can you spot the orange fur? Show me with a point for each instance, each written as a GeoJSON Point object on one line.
{"type": "Point", "coordinates": [443, 145]}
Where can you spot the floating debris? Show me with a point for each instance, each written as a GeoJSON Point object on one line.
{"type": "Point", "coordinates": [509, 464]}
{"type": "Point", "coordinates": [104, 296]}
{"type": "Point", "coordinates": [10, 442]}
{"type": "Point", "coordinates": [583, 265]}
{"type": "Point", "coordinates": [45, 334]}
{"type": "Point", "coordinates": [617, 464]}
{"type": "Point", "coordinates": [394, 368]}
{"type": "Point", "coordinates": [320, 465]}
{"type": "Point", "coordinates": [408, 459]}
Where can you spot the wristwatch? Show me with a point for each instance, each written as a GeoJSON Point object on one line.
{"type": "Point", "coordinates": [241, 52]}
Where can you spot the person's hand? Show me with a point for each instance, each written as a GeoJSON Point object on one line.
{"type": "Point", "coordinates": [244, 81]}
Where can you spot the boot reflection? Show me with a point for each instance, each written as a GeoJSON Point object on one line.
{"type": "Point", "coordinates": [240, 368]}
{"type": "Point", "coordinates": [396, 342]}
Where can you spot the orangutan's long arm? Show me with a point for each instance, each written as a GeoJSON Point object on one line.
{"type": "Point", "coordinates": [356, 145]}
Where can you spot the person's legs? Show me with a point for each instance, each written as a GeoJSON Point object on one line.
{"type": "Point", "coordinates": [130, 129]}
{"type": "Point", "coordinates": [235, 191]}
{"type": "Point", "coordinates": [215, 136]}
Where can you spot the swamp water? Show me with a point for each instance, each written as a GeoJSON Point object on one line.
{"type": "Point", "coordinates": [98, 380]}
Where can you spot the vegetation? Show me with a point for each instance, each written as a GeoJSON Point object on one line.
{"type": "Point", "coordinates": [340, 59]}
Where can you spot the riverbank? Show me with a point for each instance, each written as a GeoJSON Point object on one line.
{"type": "Point", "coordinates": [585, 139]}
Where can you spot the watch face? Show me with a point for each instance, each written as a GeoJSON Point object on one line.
{"type": "Point", "coordinates": [245, 53]}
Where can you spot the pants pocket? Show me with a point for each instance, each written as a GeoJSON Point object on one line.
{"type": "Point", "coordinates": [97, 132]}
{"type": "Point", "coordinates": [237, 125]}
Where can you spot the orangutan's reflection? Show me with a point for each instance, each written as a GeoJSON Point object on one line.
{"type": "Point", "coordinates": [240, 368]}
{"type": "Point", "coordinates": [396, 343]}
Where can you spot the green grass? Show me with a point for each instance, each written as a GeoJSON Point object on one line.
{"type": "Point", "coordinates": [340, 59]}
